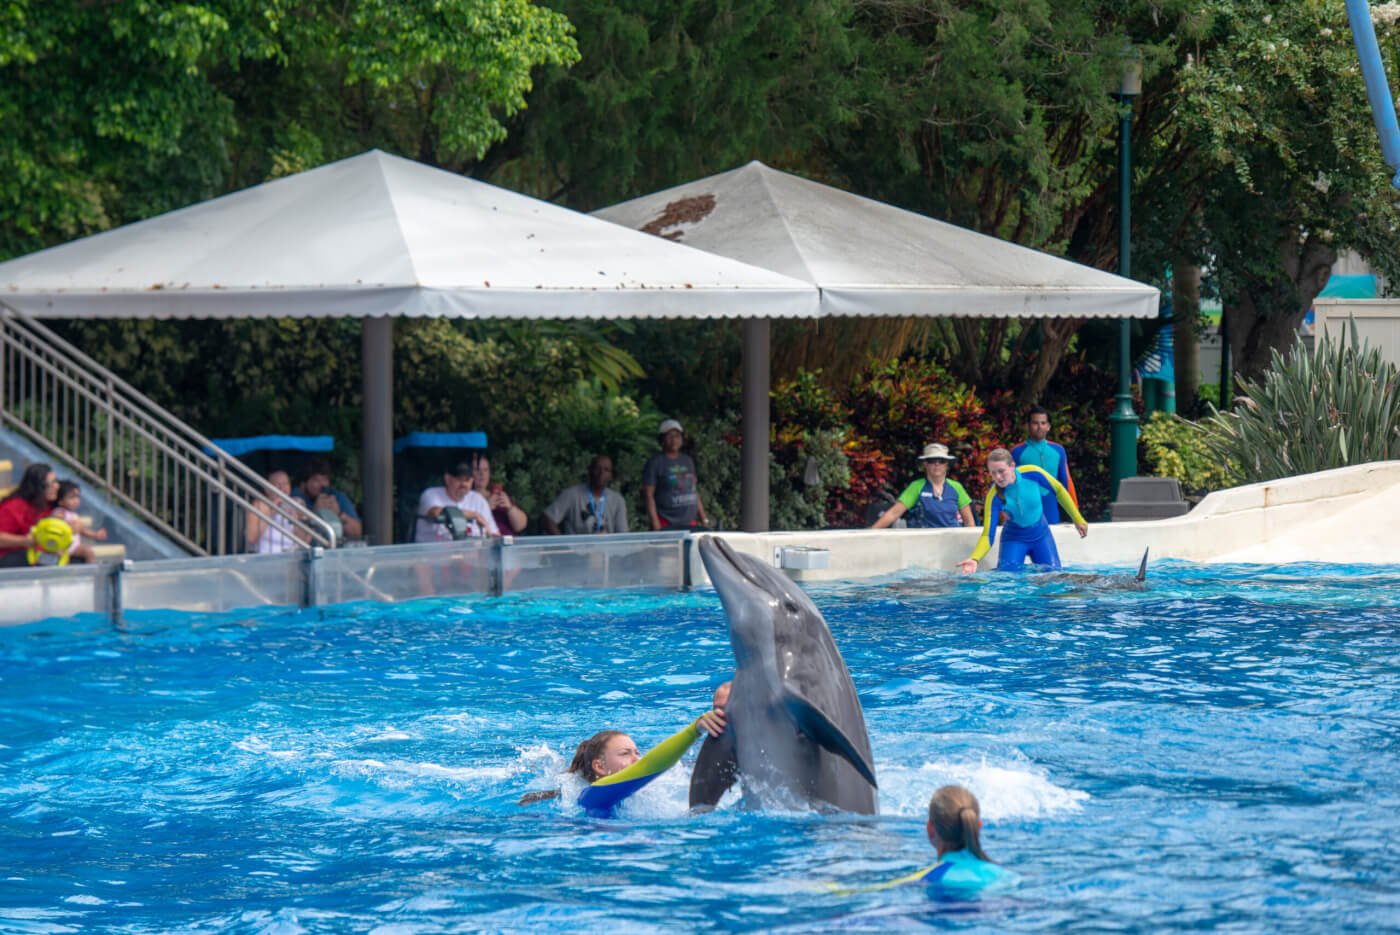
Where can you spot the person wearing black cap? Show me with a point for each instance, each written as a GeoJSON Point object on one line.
{"type": "Point", "coordinates": [933, 500]}
{"type": "Point", "coordinates": [669, 485]}
{"type": "Point", "coordinates": [456, 490]}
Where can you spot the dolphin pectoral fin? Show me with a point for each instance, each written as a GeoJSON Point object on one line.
{"type": "Point", "coordinates": [716, 769]}
{"type": "Point", "coordinates": [813, 722]}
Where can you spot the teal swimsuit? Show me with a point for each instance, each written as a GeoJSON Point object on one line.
{"type": "Point", "coordinates": [960, 875]}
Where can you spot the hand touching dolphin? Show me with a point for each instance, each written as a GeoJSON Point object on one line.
{"type": "Point", "coordinates": [796, 734]}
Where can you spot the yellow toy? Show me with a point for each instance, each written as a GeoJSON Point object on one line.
{"type": "Point", "coordinates": [52, 537]}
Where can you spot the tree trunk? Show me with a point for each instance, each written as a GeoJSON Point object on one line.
{"type": "Point", "coordinates": [1255, 333]}
{"type": "Point", "coordinates": [1186, 308]}
{"type": "Point", "coordinates": [1056, 334]}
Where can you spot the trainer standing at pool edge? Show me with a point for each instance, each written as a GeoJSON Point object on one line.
{"type": "Point", "coordinates": [936, 500]}
{"type": "Point", "coordinates": [1038, 450]}
{"type": "Point", "coordinates": [1016, 492]}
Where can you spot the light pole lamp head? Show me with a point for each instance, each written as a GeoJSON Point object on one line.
{"type": "Point", "coordinates": [1130, 85]}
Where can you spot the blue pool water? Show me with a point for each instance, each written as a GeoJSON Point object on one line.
{"type": "Point", "coordinates": [1221, 751]}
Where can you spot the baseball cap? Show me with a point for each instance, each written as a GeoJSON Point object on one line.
{"type": "Point", "coordinates": [669, 424]}
{"type": "Point", "coordinates": [936, 452]}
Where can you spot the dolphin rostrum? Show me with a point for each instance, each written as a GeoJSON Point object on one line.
{"type": "Point", "coordinates": [796, 734]}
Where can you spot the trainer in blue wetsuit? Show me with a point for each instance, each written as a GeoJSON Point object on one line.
{"type": "Point", "coordinates": [1017, 493]}
{"type": "Point", "coordinates": [934, 500]}
{"type": "Point", "coordinates": [1038, 450]}
{"type": "Point", "coordinates": [963, 871]}
{"type": "Point", "coordinates": [609, 760]}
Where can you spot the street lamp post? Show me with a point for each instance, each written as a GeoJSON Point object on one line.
{"type": "Point", "coordinates": [1124, 421]}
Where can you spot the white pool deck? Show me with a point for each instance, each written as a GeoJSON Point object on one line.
{"type": "Point", "coordinates": [1346, 515]}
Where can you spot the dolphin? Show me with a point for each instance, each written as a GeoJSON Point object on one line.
{"type": "Point", "coordinates": [1093, 582]}
{"type": "Point", "coordinates": [796, 734]}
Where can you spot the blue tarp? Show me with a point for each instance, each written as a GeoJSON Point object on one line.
{"type": "Point", "coordinates": [440, 440]}
{"type": "Point", "coordinates": [242, 446]}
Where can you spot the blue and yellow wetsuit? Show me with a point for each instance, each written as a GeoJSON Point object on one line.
{"type": "Point", "coordinates": [957, 875]}
{"type": "Point", "coordinates": [1026, 531]}
{"type": "Point", "coordinates": [1055, 461]}
{"type": "Point", "coordinates": [601, 799]}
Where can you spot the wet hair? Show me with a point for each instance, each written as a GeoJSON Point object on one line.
{"type": "Point", "coordinates": [1037, 411]}
{"type": "Point", "coordinates": [66, 487]}
{"type": "Point", "coordinates": [31, 488]}
{"type": "Point", "coordinates": [1000, 454]}
{"type": "Point", "coordinates": [582, 765]}
{"type": "Point", "coordinates": [955, 815]}
{"type": "Point", "coordinates": [590, 750]}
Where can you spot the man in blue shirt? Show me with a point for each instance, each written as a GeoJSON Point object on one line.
{"type": "Point", "coordinates": [318, 494]}
{"type": "Point", "coordinates": [1038, 450]}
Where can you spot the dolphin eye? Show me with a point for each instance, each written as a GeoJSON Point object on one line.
{"type": "Point", "coordinates": [790, 605]}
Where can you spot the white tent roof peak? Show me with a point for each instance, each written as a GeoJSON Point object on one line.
{"type": "Point", "coordinates": [870, 258]}
{"type": "Point", "coordinates": [377, 235]}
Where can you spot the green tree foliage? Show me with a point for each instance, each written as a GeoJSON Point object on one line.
{"type": "Point", "coordinates": [671, 90]}
{"type": "Point", "coordinates": [116, 111]}
{"type": "Point", "coordinates": [1258, 155]}
{"type": "Point", "coordinates": [1336, 405]}
{"type": "Point", "coordinates": [1175, 447]}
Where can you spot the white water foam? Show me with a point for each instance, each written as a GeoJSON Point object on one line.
{"type": "Point", "coordinates": [1004, 790]}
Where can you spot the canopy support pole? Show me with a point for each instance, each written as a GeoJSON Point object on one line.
{"type": "Point", "coordinates": [753, 487]}
{"type": "Point", "coordinates": [377, 446]}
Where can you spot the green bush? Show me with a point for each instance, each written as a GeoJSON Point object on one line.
{"type": "Point", "coordinates": [1330, 407]}
{"type": "Point", "coordinates": [1177, 448]}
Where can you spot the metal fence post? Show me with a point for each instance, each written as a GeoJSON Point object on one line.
{"type": "Point", "coordinates": [310, 581]}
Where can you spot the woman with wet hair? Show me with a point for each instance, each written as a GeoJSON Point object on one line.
{"type": "Point", "coordinates": [614, 769]}
{"type": "Point", "coordinates": [955, 830]}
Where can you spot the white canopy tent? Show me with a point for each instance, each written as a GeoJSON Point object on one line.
{"type": "Point", "coordinates": [375, 237]}
{"type": "Point", "coordinates": [868, 259]}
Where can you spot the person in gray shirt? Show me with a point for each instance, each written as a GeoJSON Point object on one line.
{"type": "Point", "coordinates": [587, 508]}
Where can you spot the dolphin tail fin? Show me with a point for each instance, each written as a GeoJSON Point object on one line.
{"type": "Point", "coordinates": [716, 769]}
{"type": "Point", "coordinates": [1142, 568]}
{"type": "Point", "coordinates": [820, 728]}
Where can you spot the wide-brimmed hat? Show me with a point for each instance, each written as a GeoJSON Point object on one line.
{"type": "Point", "coordinates": [936, 452]}
{"type": "Point", "coordinates": [668, 425]}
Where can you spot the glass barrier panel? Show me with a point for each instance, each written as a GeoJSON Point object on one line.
{"type": "Point", "coordinates": [607, 561]}
{"type": "Point", "coordinates": [403, 572]}
{"type": "Point", "coordinates": [215, 584]}
{"type": "Point", "coordinates": [33, 594]}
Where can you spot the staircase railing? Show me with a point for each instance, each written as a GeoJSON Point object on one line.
{"type": "Point", "coordinates": [140, 455]}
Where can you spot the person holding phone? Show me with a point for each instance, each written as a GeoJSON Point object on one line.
{"type": "Point", "coordinates": [510, 519]}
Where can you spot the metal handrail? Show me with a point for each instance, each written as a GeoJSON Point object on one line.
{"type": "Point", "coordinates": [130, 447]}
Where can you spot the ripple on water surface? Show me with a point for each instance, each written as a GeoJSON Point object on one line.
{"type": "Point", "coordinates": [1215, 751]}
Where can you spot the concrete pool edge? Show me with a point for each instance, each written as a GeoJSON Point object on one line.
{"type": "Point", "coordinates": [1322, 517]}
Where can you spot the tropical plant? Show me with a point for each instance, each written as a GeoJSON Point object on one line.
{"type": "Point", "coordinates": [1176, 447]}
{"type": "Point", "coordinates": [1335, 405]}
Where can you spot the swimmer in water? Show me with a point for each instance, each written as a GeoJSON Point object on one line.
{"type": "Point", "coordinates": [955, 830]}
{"type": "Point", "coordinates": [963, 870]}
{"type": "Point", "coordinates": [614, 767]}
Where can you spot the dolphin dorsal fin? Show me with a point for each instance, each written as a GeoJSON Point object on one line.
{"type": "Point", "coordinates": [813, 722]}
{"type": "Point", "coordinates": [1142, 568]}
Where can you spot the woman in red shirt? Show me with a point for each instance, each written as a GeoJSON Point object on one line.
{"type": "Point", "coordinates": [30, 502]}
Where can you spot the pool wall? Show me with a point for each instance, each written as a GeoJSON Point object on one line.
{"type": "Point", "coordinates": [1333, 516]}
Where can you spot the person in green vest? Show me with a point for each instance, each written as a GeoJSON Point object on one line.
{"type": "Point", "coordinates": [934, 500]}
